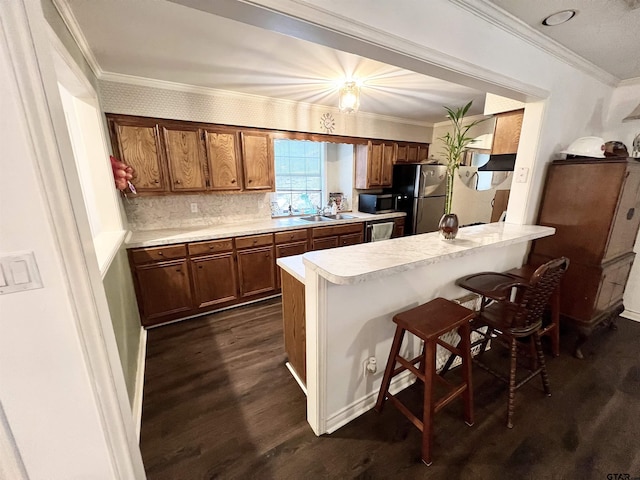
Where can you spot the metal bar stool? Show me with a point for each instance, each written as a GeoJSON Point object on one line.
{"type": "Point", "coordinates": [428, 322]}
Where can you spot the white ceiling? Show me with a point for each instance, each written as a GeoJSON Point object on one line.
{"type": "Point", "coordinates": [166, 41]}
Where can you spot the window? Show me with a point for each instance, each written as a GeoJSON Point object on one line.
{"type": "Point", "coordinates": [299, 176]}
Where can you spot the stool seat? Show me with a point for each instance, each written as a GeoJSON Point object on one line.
{"type": "Point", "coordinates": [434, 318]}
{"type": "Point", "coordinates": [428, 322]}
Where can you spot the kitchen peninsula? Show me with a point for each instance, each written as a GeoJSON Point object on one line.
{"type": "Point", "coordinates": [351, 295]}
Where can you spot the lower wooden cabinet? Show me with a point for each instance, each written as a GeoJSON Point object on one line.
{"type": "Point", "coordinates": [398, 227]}
{"type": "Point", "coordinates": [337, 236]}
{"type": "Point", "coordinates": [164, 290]}
{"type": "Point", "coordinates": [214, 280]}
{"type": "Point", "coordinates": [177, 281]}
{"type": "Point", "coordinates": [256, 271]}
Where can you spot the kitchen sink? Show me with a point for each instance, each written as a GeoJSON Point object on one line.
{"type": "Point", "coordinates": [316, 218]}
{"type": "Point", "coordinates": [339, 216]}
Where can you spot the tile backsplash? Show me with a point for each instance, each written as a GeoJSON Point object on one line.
{"type": "Point", "coordinates": [174, 211]}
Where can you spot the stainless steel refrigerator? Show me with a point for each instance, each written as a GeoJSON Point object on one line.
{"type": "Point", "coordinates": [420, 191]}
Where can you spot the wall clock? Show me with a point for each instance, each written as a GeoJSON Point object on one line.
{"type": "Point", "coordinates": [327, 122]}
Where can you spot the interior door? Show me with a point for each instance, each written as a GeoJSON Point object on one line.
{"type": "Point", "coordinates": [429, 210]}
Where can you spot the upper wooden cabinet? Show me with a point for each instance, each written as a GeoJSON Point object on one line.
{"type": "Point", "coordinates": [171, 156]}
{"type": "Point", "coordinates": [257, 161]}
{"type": "Point", "coordinates": [185, 158]}
{"type": "Point", "coordinates": [506, 135]}
{"type": "Point", "coordinates": [374, 164]}
{"type": "Point", "coordinates": [412, 152]}
{"type": "Point", "coordinates": [224, 160]}
{"type": "Point", "coordinates": [136, 142]}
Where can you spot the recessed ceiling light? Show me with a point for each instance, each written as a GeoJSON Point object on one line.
{"type": "Point", "coordinates": [559, 18]}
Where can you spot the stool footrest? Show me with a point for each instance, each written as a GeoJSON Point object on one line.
{"type": "Point", "coordinates": [408, 365]}
{"type": "Point", "coordinates": [406, 412]}
{"type": "Point", "coordinates": [444, 401]}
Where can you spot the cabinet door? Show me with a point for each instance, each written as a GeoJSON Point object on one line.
{"type": "Point", "coordinates": [324, 243]}
{"type": "Point", "coordinates": [401, 155]}
{"type": "Point", "coordinates": [256, 271]}
{"type": "Point", "coordinates": [165, 290]}
{"type": "Point", "coordinates": [136, 143]}
{"type": "Point", "coordinates": [185, 158]}
{"type": "Point", "coordinates": [627, 216]}
{"type": "Point", "coordinates": [389, 151]}
{"type": "Point", "coordinates": [374, 164]}
{"type": "Point", "coordinates": [412, 153]}
{"type": "Point", "coordinates": [506, 135]}
{"type": "Point", "coordinates": [423, 152]}
{"type": "Point", "coordinates": [287, 250]}
{"type": "Point", "coordinates": [351, 239]}
{"type": "Point", "coordinates": [398, 227]}
{"type": "Point", "coordinates": [214, 279]}
{"type": "Point", "coordinates": [224, 160]}
{"type": "Point", "coordinates": [257, 160]}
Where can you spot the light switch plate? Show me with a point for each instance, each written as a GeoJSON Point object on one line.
{"type": "Point", "coordinates": [521, 174]}
{"type": "Point", "coordinates": [19, 272]}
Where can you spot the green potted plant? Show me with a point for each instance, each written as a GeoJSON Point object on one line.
{"type": "Point", "coordinates": [455, 142]}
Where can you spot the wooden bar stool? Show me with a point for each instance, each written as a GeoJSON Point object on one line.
{"type": "Point", "coordinates": [428, 322]}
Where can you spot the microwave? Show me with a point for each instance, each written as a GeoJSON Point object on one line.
{"type": "Point", "coordinates": [376, 203]}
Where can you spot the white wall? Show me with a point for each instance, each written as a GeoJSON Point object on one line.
{"type": "Point", "coordinates": [63, 392]}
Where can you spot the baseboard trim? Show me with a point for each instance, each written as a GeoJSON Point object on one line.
{"type": "Point", "coordinates": [366, 403]}
{"type": "Point", "coordinates": [631, 315]}
{"type": "Point", "coordinates": [136, 408]}
{"type": "Point", "coordinates": [297, 378]}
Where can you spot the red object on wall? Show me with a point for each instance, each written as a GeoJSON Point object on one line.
{"type": "Point", "coordinates": [122, 174]}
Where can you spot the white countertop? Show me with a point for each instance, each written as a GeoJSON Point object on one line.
{"type": "Point", "coordinates": [167, 236]}
{"type": "Point", "coordinates": [359, 263]}
{"type": "Point", "coordinates": [293, 265]}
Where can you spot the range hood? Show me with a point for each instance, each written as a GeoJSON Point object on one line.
{"type": "Point", "coordinates": [499, 163]}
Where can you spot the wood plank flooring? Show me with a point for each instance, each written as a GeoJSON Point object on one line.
{"type": "Point", "coordinates": [219, 403]}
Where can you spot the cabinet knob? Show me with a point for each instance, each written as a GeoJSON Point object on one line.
{"type": "Point", "coordinates": [156, 181]}
{"type": "Point", "coordinates": [630, 213]}
{"type": "Point", "coordinates": [178, 270]}
{"type": "Point", "coordinates": [255, 241]}
{"type": "Point", "coordinates": [199, 266]}
{"type": "Point", "coordinates": [210, 247]}
{"type": "Point", "coordinates": [233, 181]}
{"type": "Point", "coordinates": [291, 237]}
{"type": "Point", "coordinates": [160, 253]}
{"type": "Point", "coordinates": [250, 181]}
{"type": "Point", "coordinates": [178, 182]}
{"type": "Point", "coordinates": [266, 255]}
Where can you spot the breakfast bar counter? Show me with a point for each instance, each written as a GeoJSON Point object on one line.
{"type": "Point", "coordinates": [352, 293]}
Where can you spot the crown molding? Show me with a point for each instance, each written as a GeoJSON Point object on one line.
{"type": "Point", "coordinates": [629, 82]}
{"type": "Point", "coordinates": [214, 92]}
{"type": "Point", "coordinates": [471, 118]}
{"type": "Point", "coordinates": [513, 25]}
{"type": "Point", "coordinates": [69, 19]}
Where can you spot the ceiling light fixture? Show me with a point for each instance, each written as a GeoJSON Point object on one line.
{"type": "Point", "coordinates": [559, 18]}
{"type": "Point", "coordinates": [349, 99]}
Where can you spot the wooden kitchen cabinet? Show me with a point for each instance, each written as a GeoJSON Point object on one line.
{"type": "Point", "coordinates": [594, 205]}
{"type": "Point", "coordinates": [257, 161]}
{"type": "Point", "coordinates": [136, 142]}
{"type": "Point", "coordinates": [225, 169]}
{"type": "Point", "coordinates": [374, 164]}
{"type": "Point", "coordinates": [337, 236]}
{"type": "Point", "coordinates": [256, 264]}
{"type": "Point", "coordinates": [412, 152]}
{"type": "Point", "coordinates": [213, 270]}
{"type": "Point", "coordinates": [294, 324]}
{"type": "Point", "coordinates": [162, 283]}
{"type": "Point", "coordinates": [398, 227]}
{"type": "Point", "coordinates": [288, 243]}
{"type": "Point", "coordinates": [506, 135]}
{"type": "Point", "coordinates": [186, 160]}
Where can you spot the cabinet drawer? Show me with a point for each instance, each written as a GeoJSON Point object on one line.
{"type": "Point", "coordinates": [613, 280]}
{"type": "Point", "coordinates": [291, 236]}
{"type": "Point", "coordinates": [214, 246]}
{"type": "Point", "coordinates": [254, 241]}
{"type": "Point", "coordinates": [319, 232]}
{"type": "Point", "coordinates": [351, 239]}
{"type": "Point", "coordinates": [146, 255]}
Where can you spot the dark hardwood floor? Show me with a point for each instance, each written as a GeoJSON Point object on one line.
{"type": "Point", "coordinates": [219, 403]}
